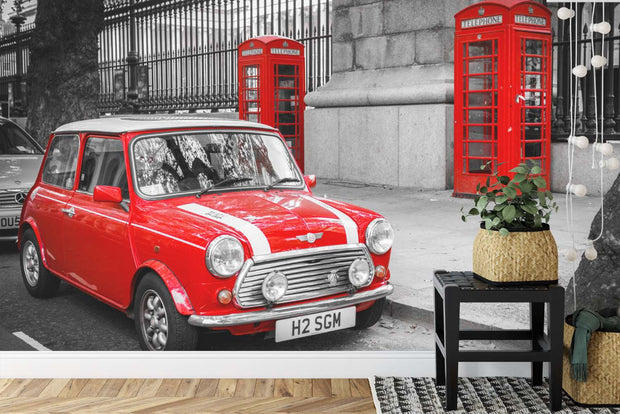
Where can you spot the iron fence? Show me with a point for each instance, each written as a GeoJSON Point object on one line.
{"type": "Point", "coordinates": [586, 89]}
{"type": "Point", "coordinates": [168, 55]}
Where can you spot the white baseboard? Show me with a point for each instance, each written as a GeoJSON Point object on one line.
{"type": "Point", "coordinates": [226, 364]}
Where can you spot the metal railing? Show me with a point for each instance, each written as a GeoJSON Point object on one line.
{"type": "Point", "coordinates": [168, 55]}
{"type": "Point", "coordinates": [588, 88]}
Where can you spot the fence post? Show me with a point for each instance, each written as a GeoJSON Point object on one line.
{"type": "Point", "coordinates": [19, 107]}
{"type": "Point", "coordinates": [132, 60]}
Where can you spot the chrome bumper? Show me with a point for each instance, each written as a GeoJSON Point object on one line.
{"type": "Point", "coordinates": [216, 321]}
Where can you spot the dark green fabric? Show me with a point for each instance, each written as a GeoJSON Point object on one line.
{"type": "Point", "coordinates": [586, 322]}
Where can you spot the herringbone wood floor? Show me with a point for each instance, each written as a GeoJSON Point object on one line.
{"type": "Point", "coordinates": [186, 396]}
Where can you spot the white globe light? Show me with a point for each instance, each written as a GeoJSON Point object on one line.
{"type": "Point", "coordinates": [611, 164]}
{"type": "Point", "coordinates": [598, 61]}
{"type": "Point", "coordinates": [602, 28]}
{"type": "Point", "coordinates": [565, 13]}
{"type": "Point", "coordinates": [571, 255]}
{"type": "Point", "coordinates": [580, 71]}
{"type": "Point", "coordinates": [579, 190]}
{"type": "Point", "coordinates": [580, 141]}
{"type": "Point", "coordinates": [591, 253]}
{"type": "Point", "coordinates": [604, 148]}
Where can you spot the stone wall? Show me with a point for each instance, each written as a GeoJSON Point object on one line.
{"type": "Point", "coordinates": [386, 116]}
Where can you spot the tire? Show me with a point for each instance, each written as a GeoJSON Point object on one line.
{"type": "Point", "coordinates": [369, 317]}
{"type": "Point", "coordinates": [39, 281]}
{"type": "Point", "coordinates": [169, 330]}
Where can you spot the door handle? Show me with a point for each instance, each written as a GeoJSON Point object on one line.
{"type": "Point", "coordinates": [519, 97]}
{"type": "Point", "coordinates": [69, 211]}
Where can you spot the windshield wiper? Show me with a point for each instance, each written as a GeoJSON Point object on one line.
{"type": "Point", "coordinates": [281, 180]}
{"type": "Point", "coordinates": [229, 180]}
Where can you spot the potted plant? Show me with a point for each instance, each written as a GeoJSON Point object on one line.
{"type": "Point", "coordinates": [514, 244]}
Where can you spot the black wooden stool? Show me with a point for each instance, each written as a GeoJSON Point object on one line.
{"type": "Point", "coordinates": [453, 288]}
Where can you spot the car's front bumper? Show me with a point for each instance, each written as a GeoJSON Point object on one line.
{"type": "Point", "coordinates": [217, 321]}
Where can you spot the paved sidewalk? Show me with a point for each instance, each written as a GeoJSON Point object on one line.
{"type": "Point", "coordinates": [430, 235]}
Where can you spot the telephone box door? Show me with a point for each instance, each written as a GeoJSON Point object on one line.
{"type": "Point", "coordinates": [477, 116]}
{"type": "Point", "coordinates": [532, 100]}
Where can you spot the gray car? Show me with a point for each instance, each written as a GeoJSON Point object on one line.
{"type": "Point", "coordinates": [20, 160]}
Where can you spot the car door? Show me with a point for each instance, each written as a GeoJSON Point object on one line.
{"type": "Point", "coordinates": [51, 197]}
{"type": "Point", "coordinates": [97, 246]}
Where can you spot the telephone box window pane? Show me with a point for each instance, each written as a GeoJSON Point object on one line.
{"type": "Point", "coordinates": [251, 71]}
{"type": "Point", "coordinates": [481, 149]}
{"type": "Point", "coordinates": [477, 166]}
{"type": "Point", "coordinates": [531, 132]}
{"type": "Point", "coordinates": [286, 70]}
{"type": "Point", "coordinates": [251, 83]}
{"type": "Point", "coordinates": [482, 116]}
{"type": "Point", "coordinates": [477, 83]}
{"type": "Point", "coordinates": [251, 94]}
{"type": "Point", "coordinates": [482, 132]}
{"type": "Point", "coordinates": [533, 81]}
{"type": "Point", "coordinates": [534, 98]}
{"type": "Point", "coordinates": [533, 115]}
{"type": "Point", "coordinates": [483, 65]}
{"type": "Point", "coordinates": [482, 48]}
{"type": "Point", "coordinates": [533, 64]}
{"type": "Point", "coordinates": [287, 130]}
{"type": "Point", "coordinates": [252, 106]}
{"type": "Point", "coordinates": [533, 47]}
{"type": "Point", "coordinates": [252, 117]}
{"type": "Point", "coordinates": [533, 149]}
{"type": "Point", "coordinates": [480, 99]}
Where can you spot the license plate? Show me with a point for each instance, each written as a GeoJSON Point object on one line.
{"type": "Point", "coordinates": [317, 323]}
{"type": "Point", "coordinates": [9, 222]}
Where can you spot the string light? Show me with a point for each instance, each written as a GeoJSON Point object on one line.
{"type": "Point", "coordinates": [591, 253]}
{"type": "Point", "coordinates": [604, 148]}
{"type": "Point", "coordinates": [580, 71]}
{"type": "Point", "coordinates": [579, 190]}
{"type": "Point", "coordinates": [580, 141]}
{"type": "Point", "coordinates": [571, 254]}
{"type": "Point", "coordinates": [598, 61]}
{"type": "Point", "coordinates": [602, 27]}
{"type": "Point", "coordinates": [611, 164]}
{"type": "Point", "coordinates": [564, 13]}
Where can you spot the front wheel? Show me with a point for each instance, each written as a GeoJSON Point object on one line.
{"type": "Point", "coordinates": [160, 326]}
{"type": "Point", "coordinates": [369, 317]}
{"type": "Point", "coordinates": [39, 281]}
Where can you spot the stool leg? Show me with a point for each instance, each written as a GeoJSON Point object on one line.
{"type": "Point", "coordinates": [537, 326]}
{"type": "Point", "coordinates": [556, 333]}
{"type": "Point", "coordinates": [440, 362]}
{"type": "Point", "coordinates": [451, 340]}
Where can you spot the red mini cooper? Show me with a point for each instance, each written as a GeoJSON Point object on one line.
{"type": "Point", "coordinates": [186, 223]}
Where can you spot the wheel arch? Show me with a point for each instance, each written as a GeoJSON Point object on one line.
{"type": "Point", "coordinates": [176, 290]}
{"type": "Point", "coordinates": [30, 224]}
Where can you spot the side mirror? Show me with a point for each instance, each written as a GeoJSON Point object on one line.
{"type": "Point", "coordinates": [310, 180]}
{"type": "Point", "coordinates": [107, 194]}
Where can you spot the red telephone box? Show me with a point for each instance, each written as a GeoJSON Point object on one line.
{"type": "Point", "coordinates": [502, 90]}
{"type": "Point", "coordinates": [272, 87]}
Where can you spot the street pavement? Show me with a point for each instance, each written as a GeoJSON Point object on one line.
{"type": "Point", "coordinates": [429, 235]}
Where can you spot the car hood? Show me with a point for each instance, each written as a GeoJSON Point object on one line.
{"type": "Point", "coordinates": [275, 221]}
{"type": "Point", "coordinates": [19, 171]}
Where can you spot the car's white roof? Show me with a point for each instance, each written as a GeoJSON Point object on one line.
{"type": "Point", "coordinates": [131, 123]}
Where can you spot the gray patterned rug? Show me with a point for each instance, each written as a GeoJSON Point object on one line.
{"type": "Point", "coordinates": [394, 395]}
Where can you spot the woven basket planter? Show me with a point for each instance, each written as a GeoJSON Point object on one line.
{"type": "Point", "coordinates": [520, 257]}
{"type": "Point", "coordinates": [603, 384]}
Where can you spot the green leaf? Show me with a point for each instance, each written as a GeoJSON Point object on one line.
{"type": "Point", "coordinates": [535, 170]}
{"type": "Point", "coordinates": [510, 192]}
{"type": "Point", "coordinates": [526, 187]}
{"type": "Point", "coordinates": [501, 199]}
{"type": "Point", "coordinates": [499, 207]}
{"type": "Point", "coordinates": [540, 182]}
{"type": "Point", "coordinates": [504, 180]}
{"type": "Point", "coordinates": [496, 221]}
{"type": "Point", "coordinates": [518, 178]}
{"type": "Point", "coordinates": [482, 203]}
{"type": "Point", "coordinates": [519, 170]}
{"type": "Point", "coordinates": [473, 212]}
{"type": "Point", "coordinates": [504, 232]}
{"type": "Point", "coordinates": [488, 224]}
{"type": "Point", "coordinates": [530, 209]}
{"type": "Point", "coordinates": [509, 213]}
{"type": "Point", "coordinates": [464, 219]}
{"type": "Point", "coordinates": [482, 190]}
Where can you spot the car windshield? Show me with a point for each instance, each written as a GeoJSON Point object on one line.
{"type": "Point", "coordinates": [195, 162]}
{"type": "Point", "coordinates": [13, 141]}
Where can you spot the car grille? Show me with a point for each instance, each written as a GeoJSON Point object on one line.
{"type": "Point", "coordinates": [306, 272]}
{"type": "Point", "coordinates": [7, 199]}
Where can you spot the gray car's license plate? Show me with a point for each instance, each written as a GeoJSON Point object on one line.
{"type": "Point", "coordinates": [317, 323]}
{"type": "Point", "coordinates": [9, 222]}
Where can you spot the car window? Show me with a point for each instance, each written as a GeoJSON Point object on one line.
{"type": "Point", "coordinates": [183, 163]}
{"type": "Point", "coordinates": [14, 141]}
{"type": "Point", "coordinates": [59, 169]}
{"type": "Point", "coordinates": [103, 163]}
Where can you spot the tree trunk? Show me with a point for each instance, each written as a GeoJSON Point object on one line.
{"type": "Point", "coordinates": [598, 281]}
{"type": "Point", "coordinates": [63, 81]}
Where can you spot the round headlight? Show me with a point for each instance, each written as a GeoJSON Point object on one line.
{"type": "Point", "coordinates": [379, 236]}
{"type": "Point", "coordinates": [274, 286]}
{"type": "Point", "coordinates": [224, 256]}
{"type": "Point", "coordinates": [360, 273]}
